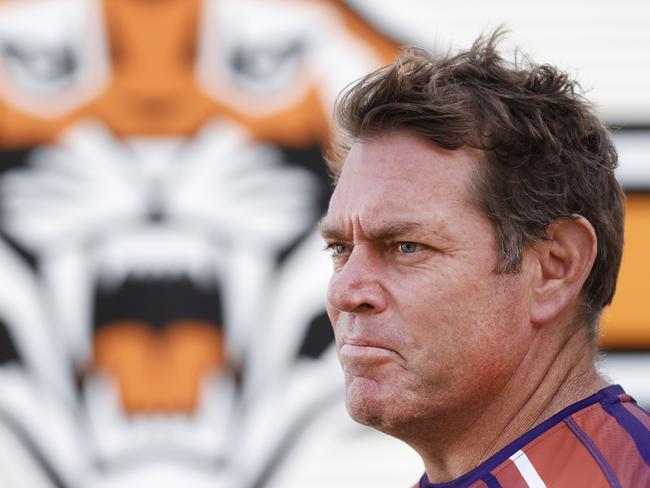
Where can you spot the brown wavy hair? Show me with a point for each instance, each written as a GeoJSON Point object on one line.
{"type": "Point", "coordinates": [547, 155]}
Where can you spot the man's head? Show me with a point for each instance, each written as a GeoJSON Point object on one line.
{"type": "Point", "coordinates": [546, 156]}
{"type": "Point", "coordinates": [475, 225]}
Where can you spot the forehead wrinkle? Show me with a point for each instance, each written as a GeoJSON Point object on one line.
{"type": "Point", "coordinates": [381, 231]}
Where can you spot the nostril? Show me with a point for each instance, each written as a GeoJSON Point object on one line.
{"type": "Point", "coordinates": [364, 307]}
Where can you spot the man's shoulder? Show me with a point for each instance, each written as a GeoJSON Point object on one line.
{"type": "Point", "coordinates": [601, 441]}
{"type": "Point", "coordinates": [606, 443]}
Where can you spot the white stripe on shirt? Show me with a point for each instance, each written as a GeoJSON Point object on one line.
{"type": "Point", "coordinates": [527, 470]}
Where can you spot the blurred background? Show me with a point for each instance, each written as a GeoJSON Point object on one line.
{"type": "Point", "coordinates": [162, 317]}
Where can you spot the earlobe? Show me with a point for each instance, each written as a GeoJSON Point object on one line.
{"type": "Point", "coordinates": [565, 261]}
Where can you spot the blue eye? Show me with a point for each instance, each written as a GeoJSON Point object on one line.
{"type": "Point", "coordinates": [337, 249]}
{"type": "Point", "coordinates": [408, 247]}
{"type": "Point", "coordinates": [340, 248]}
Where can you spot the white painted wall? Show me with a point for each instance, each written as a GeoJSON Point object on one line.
{"type": "Point", "coordinates": [606, 44]}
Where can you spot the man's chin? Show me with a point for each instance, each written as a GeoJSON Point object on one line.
{"type": "Point", "coordinates": [368, 405]}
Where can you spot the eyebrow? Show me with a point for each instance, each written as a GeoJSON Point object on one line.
{"type": "Point", "coordinates": [381, 233]}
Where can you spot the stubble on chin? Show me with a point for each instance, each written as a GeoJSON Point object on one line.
{"type": "Point", "coordinates": [367, 405]}
{"type": "Point", "coordinates": [389, 407]}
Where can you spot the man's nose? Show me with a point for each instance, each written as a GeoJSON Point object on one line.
{"type": "Point", "coordinates": [357, 287]}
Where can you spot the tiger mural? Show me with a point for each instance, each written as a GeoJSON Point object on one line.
{"type": "Point", "coordinates": [160, 182]}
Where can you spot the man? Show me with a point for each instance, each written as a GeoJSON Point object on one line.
{"type": "Point", "coordinates": [476, 232]}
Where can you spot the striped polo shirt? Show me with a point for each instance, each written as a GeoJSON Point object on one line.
{"type": "Point", "coordinates": [601, 441]}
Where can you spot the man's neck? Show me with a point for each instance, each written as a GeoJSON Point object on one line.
{"type": "Point", "coordinates": [533, 395]}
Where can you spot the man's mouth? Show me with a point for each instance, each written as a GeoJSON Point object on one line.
{"type": "Point", "coordinates": [365, 352]}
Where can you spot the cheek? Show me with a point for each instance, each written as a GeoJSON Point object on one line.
{"type": "Point", "coordinates": [469, 319]}
{"type": "Point", "coordinates": [496, 333]}
{"type": "Point", "coordinates": [438, 297]}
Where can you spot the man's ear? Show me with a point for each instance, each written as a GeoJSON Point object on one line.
{"type": "Point", "coordinates": [565, 261]}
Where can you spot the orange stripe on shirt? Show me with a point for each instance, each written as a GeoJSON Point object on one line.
{"type": "Point", "coordinates": [508, 475]}
{"type": "Point", "coordinates": [615, 444]}
{"type": "Point", "coordinates": [563, 461]}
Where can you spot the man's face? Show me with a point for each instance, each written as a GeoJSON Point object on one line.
{"type": "Point", "coordinates": [423, 324]}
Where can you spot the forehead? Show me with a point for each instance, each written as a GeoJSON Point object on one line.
{"type": "Point", "coordinates": [399, 176]}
